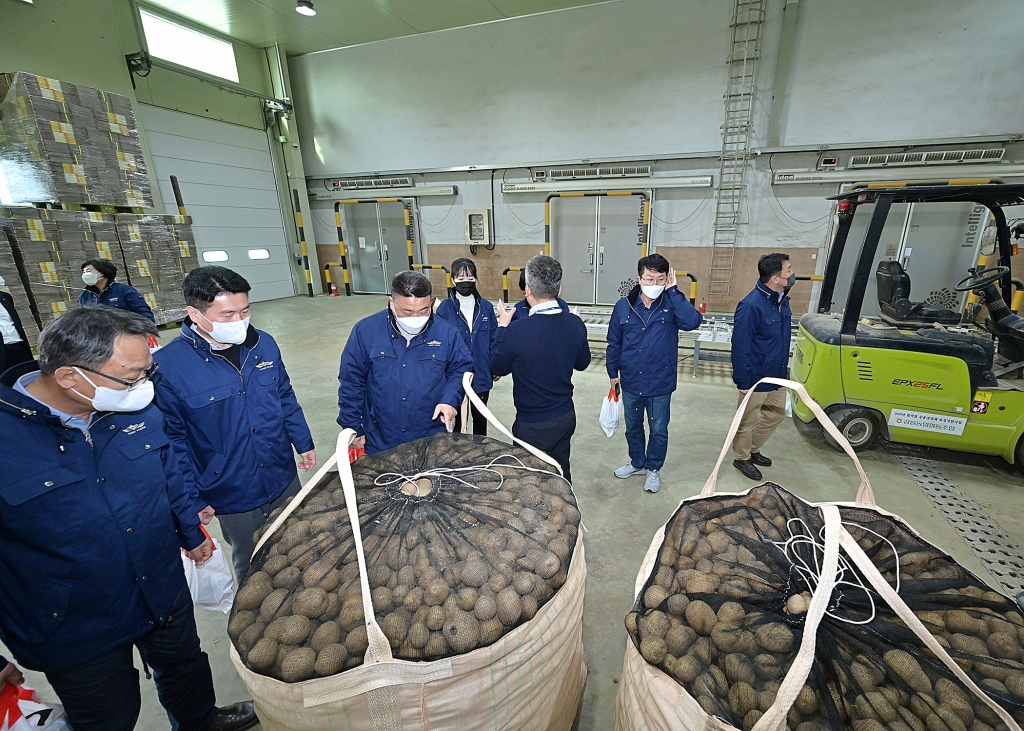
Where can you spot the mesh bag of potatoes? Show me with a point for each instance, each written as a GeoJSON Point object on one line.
{"type": "Point", "coordinates": [762, 611]}
{"type": "Point", "coordinates": [466, 544]}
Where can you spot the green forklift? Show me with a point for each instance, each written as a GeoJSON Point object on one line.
{"type": "Point", "coordinates": [920, 370]}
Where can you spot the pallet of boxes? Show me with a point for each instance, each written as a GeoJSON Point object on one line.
{"type": "Point", "coordinates": [75, 188]}
{"type": "Point", "coordinates": [763, 612]}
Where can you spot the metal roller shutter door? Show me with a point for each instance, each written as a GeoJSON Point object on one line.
{"type": "Point", "coordinates": [227, 179]}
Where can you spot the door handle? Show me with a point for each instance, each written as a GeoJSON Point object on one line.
{"type": "Point", "coordinates": [600, 259]}
{"type": "Point", "coordinates": [591, 260]}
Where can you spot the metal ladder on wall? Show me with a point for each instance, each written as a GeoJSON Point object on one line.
{"type": "Point", "coordinates": [747, 19]}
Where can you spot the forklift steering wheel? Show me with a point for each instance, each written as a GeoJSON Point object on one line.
{"type": "Point", "coordinates": [979, 278]}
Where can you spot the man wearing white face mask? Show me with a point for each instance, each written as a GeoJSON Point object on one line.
{"type": "Point", "coordinates": [642, 357]}
{"type": "Point", "coordinates": [93, 517]}
{"type": "Point", "coordinates": [14, 347]}
{"type": "Point", "coordinates": [231, 411]}
{"type": "Point", "coordinates": [401, 371]}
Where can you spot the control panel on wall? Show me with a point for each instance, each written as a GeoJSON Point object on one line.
{"type": "Point", "coordinates": [478, 226]}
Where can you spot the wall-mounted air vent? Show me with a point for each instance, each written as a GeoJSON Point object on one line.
{"type": "Point", "coordinates": [637, 171]}
{"type": "Point", "coordinates": [370, 184]}
{"type": "Point", "coordinates": [940, 157]}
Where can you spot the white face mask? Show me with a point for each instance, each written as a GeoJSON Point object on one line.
{"type": "Point", "coordinates": [109, 399]}
{"type": "Point", "coordinates": [412, 325]}
{"type": "Point", "coordinates": [232, 333]}
{"type": "Point", "coordinates": [90, 278]}
{"type": "Point", "coordinates": [653, 291]}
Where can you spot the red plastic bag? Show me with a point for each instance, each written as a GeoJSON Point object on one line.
{"type": "Point", "coordinates": [21, 710]}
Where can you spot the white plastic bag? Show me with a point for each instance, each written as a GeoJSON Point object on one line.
{"type": "Point", "coordinates": [212, 585]}
{"type": "Point", "coordinates": [611, 412]}
{"type": "Point", "coordinates": [21, 710]}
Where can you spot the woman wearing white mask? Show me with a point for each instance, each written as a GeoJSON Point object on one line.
{"type": "Point", "coordinates": [101, 289]}
{"type": "Point", "coordinates": [14, 348]}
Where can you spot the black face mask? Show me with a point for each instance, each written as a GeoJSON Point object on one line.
{"type": "Point", "coordinates": [465, 288]}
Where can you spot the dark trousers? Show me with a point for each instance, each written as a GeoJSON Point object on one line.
{"type": "Point", "coordinates": [103, 693]}
{"type": "Point", "coordinates": [479, 421]}
{"type": "Point", "coordinates": [652, 455]}
{"type": "Point", "coordinates": [15, 354]}
{"type": "Point", "coordinates": [239, 527]}
{"type": "Point", "coordinates": [553, 437]}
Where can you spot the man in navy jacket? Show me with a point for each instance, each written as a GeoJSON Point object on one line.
{"type": "Point", "coordinates": [760, 348]}
{"type": "Point", "coordinates": [401, 371]}
{"type": "Point", "coordinates": [101, 289]}
{"type": "Point", "coordinates": [477, 322]}
{"type": "Point", "coordinates": [231, 411]}
{"type": "Point", "coordinates": [642, 356]}
{"type": "Point", "coordinates": [541, 351]}
{"type": "Point", "coordinates": [93, 518]}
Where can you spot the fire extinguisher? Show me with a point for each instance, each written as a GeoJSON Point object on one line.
{"type": "Point", "coordinates": [334, 291]}
{"type": "Point", "coordinates": [703, 307]}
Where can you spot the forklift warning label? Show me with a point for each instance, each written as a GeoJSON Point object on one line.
{"type": "Point", "coordinates": [927, 422]}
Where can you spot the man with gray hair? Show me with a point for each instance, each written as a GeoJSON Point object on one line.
{"type": "Point", "coordinates": [541, 351]}
{"type": "Point", "coordinates": [401, 371]}
{"type": "Point", "coordinates": [93, 518]}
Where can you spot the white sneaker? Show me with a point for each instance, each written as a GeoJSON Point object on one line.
{"type": "Point", "coordinates": [628, 470]}
{"type": "Point", "coordinates": [653, 482]}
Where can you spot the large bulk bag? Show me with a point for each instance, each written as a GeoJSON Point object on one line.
{"type": "Point", "coordinates": [483, 536]}
{"type": "Point", "coordinates": [761, 611]}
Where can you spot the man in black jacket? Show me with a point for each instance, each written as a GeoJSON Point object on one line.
{"type": "Point", "coordinates": [15, 348]}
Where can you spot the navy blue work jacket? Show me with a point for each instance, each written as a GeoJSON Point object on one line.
{"type": "Point", "coordinates": [91, 530]}
{"type": "Point", "coordinates": [643, 345]}
{"type": "Point", "coordinates": [233, 429]}
{"type": "Point", "coordinates": [760, 338]}
{"type": "Point", "coordinates": [115, 294]}
{"type": "Point", "coordinates": [388, 390]}
{"type": "Point", "coordinates": [480, 340]}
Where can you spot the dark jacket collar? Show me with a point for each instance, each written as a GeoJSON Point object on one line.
{"type": "Point", "coordinates": [202, 344]}
{"type": "Point", "coordinates": [774, 297]}
{"type": "Point", "coordinates": [18, 404]}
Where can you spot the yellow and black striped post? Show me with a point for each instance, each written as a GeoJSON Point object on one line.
{"type": "Point", "coordinates": [408, 233]}
{"type": "Point", "coordinates": [693, 285]}
{"type": "Point", "coordinates": [645, 218]}
{"type": "Point", "coordinates": [302, 243]}
{"type": "Point", "coordinates": [447, 274]}
{"type": "Point", "coordinates": [341, 245]}
{"type": "Point", "coordinates": [504, 281]}
{"type": "Point", "coordinates": [177, 196]}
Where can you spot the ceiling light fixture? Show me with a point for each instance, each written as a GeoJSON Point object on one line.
{"type": "Point", "coordinates": [304, 7]}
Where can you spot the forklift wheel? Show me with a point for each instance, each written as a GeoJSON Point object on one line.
{"type": "Point", "coordinates": [858, 425]}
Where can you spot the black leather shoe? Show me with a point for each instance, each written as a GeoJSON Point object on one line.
{"type": "Point", "coordinates": [236, 717]}
{"type": "Point", "coordinates": [759, 459]}
{"type": "Point", "coordinates": [747, 468]}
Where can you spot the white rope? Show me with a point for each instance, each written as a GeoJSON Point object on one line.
{"type": "Point", "coordinates": [847, 575]}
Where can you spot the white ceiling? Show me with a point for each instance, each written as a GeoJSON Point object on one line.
{"type": "Point", "coordinates": [347, 22]}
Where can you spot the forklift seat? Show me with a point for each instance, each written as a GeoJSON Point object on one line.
{"type": "Point", "coordinates": [893, 285]}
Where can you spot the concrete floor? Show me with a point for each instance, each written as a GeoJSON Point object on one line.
{"type": "Point", "coordinates": [621, 517]}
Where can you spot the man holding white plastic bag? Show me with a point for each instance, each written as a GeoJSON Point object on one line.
{"type": "Point", "coordinates": [93, 517]}
{"type": "Point", "coordinates": [642, 355]}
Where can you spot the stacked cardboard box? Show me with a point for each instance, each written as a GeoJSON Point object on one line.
{"type": "Point", "coordinates": [158, 252]}
{"type": "Point", "coordinates": [12, 279]}
{"type": "Point", "coordinates": [50, 272]}
{"type": "Point", "coordinates": [46, 250]}
{"type": "Point", "coordinates": [70, 144]}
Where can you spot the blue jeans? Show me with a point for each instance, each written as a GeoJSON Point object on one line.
{"type": "Point", "coordinates": [658, 413]}
{"type": "Point", "coordinates": [103, 693]}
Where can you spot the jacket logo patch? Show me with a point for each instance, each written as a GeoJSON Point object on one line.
{"type": "Point", "coordinates": [434, 343]}
{"type": "Point", "coordinates": [263, 365]}
{"type": "Point", "coordinates": [134, 428]}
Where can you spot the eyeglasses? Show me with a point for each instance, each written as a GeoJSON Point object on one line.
{"type": "Point", "coordinates": [129, 384]}
{"type": "Point", "coordinates": [653, 282]}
